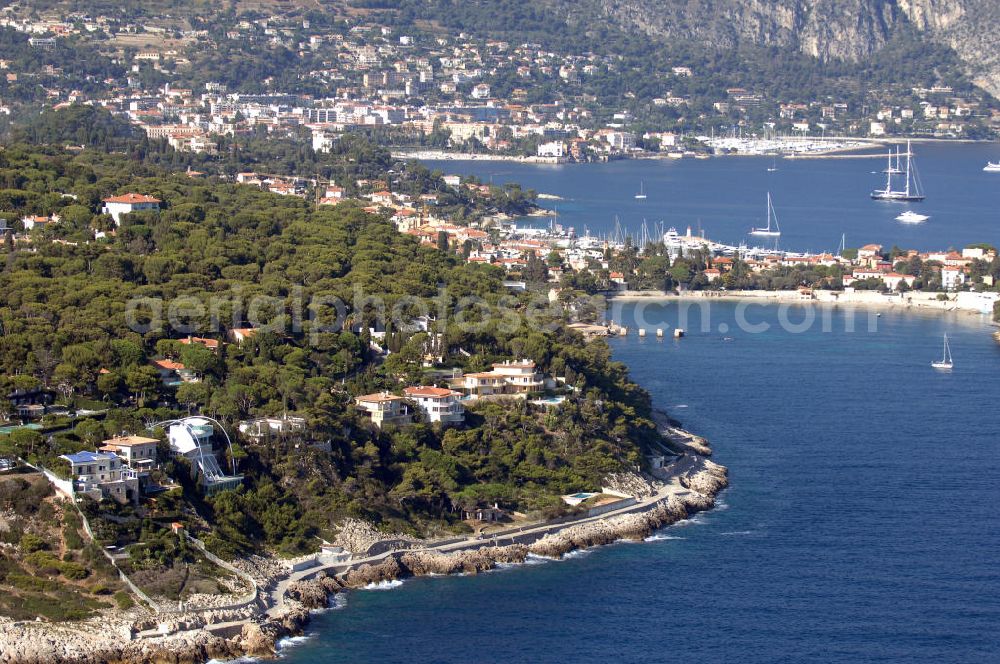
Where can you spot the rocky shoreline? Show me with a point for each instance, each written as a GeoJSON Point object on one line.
{"type": "Point", "coordinates": [256, 635]}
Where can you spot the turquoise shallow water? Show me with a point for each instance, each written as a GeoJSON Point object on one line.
{"type": "Point", "coordinates": [861, 524]}
{"type": "Point", "coordinates": [816, 201]}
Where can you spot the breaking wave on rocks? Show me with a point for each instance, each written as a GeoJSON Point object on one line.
{"type": "Point", "coordinates": [290, 642]}
{"type": "Point", "coordinates": [388, 584]}
{"type": "Point", "coordinates": [662, 537]}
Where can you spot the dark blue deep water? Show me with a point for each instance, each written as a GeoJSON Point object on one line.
{"type": "Point", "coordinates": [816, 200]}
{"type": "Point", "coordinates": [861, 524]}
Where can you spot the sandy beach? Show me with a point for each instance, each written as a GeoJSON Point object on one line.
{"type": "Point", "coordinates": [444, 155]}
{"type": "Point", "coordinates": [964, 303]}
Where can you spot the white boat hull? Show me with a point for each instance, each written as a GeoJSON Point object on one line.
{"type": "Point", "coordinates": [944, 366]}
{"type": "Point", "coordinates": [766, 233]}
{"type": "Point", "coordinates": [912, 218]}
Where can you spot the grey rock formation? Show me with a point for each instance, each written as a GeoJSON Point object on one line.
{"type": "Point", "coordinates": [852, 30]}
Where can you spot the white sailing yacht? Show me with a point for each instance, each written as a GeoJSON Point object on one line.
{"type": "Point", "coordinates": [642, 194]}
{"type": "Point", "coordinates": [908, 193]}
{"type": "Point", "coordinates": [945, 362]}
{"type": "Point", "coordinates": [768, 231]}
{"type": "Point", "coordinates": [774, 165]}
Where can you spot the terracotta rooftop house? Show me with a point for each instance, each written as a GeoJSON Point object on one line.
{"type": "Point", "coordinates": [116, 206]}
{"type": "Point", "coordinates": [174, 373]}
{"type": "Point", "coordinates": [211, 344]}
{"type": "Point", "coordinates": [521, 377]}
{"type": "Point", "coordinates": [241, 334]}
{"type": "Point", "coordinates": [438, 404]}
{"type": "Point", "coordinates": [385, 408]}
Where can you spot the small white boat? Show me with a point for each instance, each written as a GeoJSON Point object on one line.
{"type": "Point", "coordinates": [945, 363]}
{"type": "Point", "coordinates": [642, 194]}
{"type": "Point", "coordinates": [768, 231]}
{"type": "Point", "coordinates": [911, 217]}
{"type": "Point", "coordinates": [990, 167]}
{"type": "Point", "coordinates": [774, 165]}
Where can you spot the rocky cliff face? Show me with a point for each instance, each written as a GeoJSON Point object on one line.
{"type": "Point", "coordinates": [971, 27]}
{"type": "Point", "coordinates": [851, 30]}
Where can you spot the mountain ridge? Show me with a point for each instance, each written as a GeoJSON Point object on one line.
{"type": "Point", "coordinates": [849, 30]}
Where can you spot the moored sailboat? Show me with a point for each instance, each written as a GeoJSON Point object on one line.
{"type": "Point", "coordinates": [768, 231]}
{"type": "Point", "coordinates": [911, 190]}
{"type": "Point", "coordinates": [642, 193]}
{"type": "Point", "coordinates": [945, 362]}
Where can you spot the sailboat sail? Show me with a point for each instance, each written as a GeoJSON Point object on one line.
{"type": "Point", "coordinates": [771, 216]}
{"type": "Point", "coordinates": [911, 188]}
{"type": "Point", "coordinates": [946, 361]}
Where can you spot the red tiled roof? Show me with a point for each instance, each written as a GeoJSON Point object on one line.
{"type": "Point", "coordinates": [131, 199]}
{"type": "Point", "coordinates": [378, 397]}
{"type": "Point", "coordinates": [168, 365]}
{"type": "Point", "coordinates": [425, 391]}
{"type": "Point", "coordinates": [207, 343]}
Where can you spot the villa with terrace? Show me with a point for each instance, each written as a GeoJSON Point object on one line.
{"type": "Point", "coordinates": [437, 404]}
{"type": "Point", "coordinates": [102, 475]}
{"type": "Point", "coordinates": [191, 438]}
{"type": "Point", "coordinates": [385, 409]}
{"type": "Point", "coordinates": [510, 378]}
{"type": "Point", "coordinates": [138, 452]}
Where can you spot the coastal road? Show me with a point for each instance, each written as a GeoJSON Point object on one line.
{"type": "Point", "coordinates": [678, 468]}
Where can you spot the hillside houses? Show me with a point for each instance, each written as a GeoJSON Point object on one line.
{"type": "Point", "coordinates": [505, 378]}
{"type": "Point", "coordinates": [101, 475]}
{"type": "Point", "coordinates": [437, 404]}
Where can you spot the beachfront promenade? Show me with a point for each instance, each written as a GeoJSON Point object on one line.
{"type": "Point", "coordinates": [962, 302]}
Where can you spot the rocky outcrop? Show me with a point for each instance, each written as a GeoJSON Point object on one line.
{"type": "Point", "coordinates": [358, 536]}
{"type": "Point", "coordinates": [422, 563]}
{"type": "Point", "coordinates": [704, 483]}
{"type": "Point", "coordinates": [314, 593]}
{"type": "Point", "coordinates": [632, 484]}
{"type": "Point", "coordinates": [425, 563]}
{"type": "Point", "coordinates": [244, 632]}
{"type": "Point", "coordinates": [48, 644]}
{"type": "Point", "coordinates": [851, 30]}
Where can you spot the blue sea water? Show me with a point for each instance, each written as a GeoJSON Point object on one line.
{"type": "Point", "coordinates": [861, 524]}
{"type": "Point", "coordinates": [816, 200]}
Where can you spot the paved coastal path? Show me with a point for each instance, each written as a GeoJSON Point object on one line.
{"type": "Point", "coordinates": [681, 466]}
